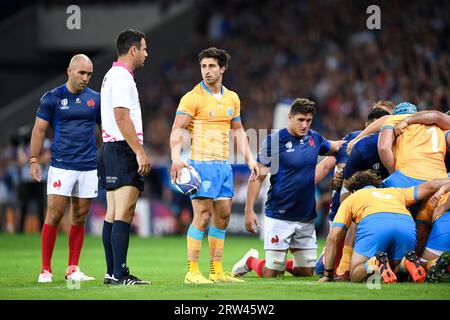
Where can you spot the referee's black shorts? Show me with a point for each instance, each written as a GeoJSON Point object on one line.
{"type": "Point", "coordinates": [118, 167]}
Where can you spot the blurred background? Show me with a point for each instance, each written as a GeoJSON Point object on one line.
{"type": "Point", "coordinates": [280, 50]}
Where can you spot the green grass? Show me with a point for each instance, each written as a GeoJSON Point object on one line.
{"type": "Point", "coordinates": [163, 261]}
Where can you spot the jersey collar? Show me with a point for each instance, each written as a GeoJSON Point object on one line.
{"type": "Point", "coordinates": [209, 91]}
{"type": "Point", "coordinates": [123, 65]}
{"type": "Point", "coordinates": [302, 138]}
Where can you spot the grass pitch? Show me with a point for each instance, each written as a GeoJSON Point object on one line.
{"type": "Point", "coordinates": [163, 261]}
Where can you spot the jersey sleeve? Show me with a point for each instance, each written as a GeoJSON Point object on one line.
{"type": "Point", "coordinates": [237, 109]}
{"type": "Point", "coordinates": [425, 215]}
{"type": "Point", "coordinates": [187, 105]}
{"type": "Point", "coordinates": [343, 217]}
{"type": "Point", "coordinates": [390, 123]}
{"type": "Point", "coordinates": [265, 152]}
{"type": "Point", "coordinates": [121, 97]}
{"type": "Point", "coordinates": [341, 155]}
{"type": "Point", "coordinates": [353, 164]}
{"type": "Point", "coordinates": [324, 144]}
{"type": "Point", "coordinates": [410, 195]}
{"type": "Point", "coordinates": [46, 108]}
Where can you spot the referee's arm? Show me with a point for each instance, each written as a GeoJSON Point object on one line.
{"type": "Point", "coordinates": [126, 127]}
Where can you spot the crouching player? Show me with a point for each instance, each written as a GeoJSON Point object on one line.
{"type": "Point", "coordinates": [436, 255]}
{"type": "Point", "coordinates": [385, 228]}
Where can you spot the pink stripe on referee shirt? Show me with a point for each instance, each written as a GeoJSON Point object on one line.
{"type": "Point", "coordinates": [123, 65]}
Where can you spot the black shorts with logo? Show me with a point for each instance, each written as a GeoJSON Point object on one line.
{"type": "Point", "coordinates": [118, 167]}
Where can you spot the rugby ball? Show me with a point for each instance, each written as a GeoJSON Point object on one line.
{"type": "Point", "coordinates": [189, 181]}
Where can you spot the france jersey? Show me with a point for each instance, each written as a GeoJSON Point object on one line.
{"type": "Point", "coordinates": [73, 118]}
{"type": "Point", "coordinates": [292, 161]}
{"type": "Point", "coordinates": [341, 157]}
{"type": "Point", "coordinates": [364, 156]}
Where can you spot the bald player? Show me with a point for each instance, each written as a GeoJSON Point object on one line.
{"type": "Point", "coordinates": [73, 111]}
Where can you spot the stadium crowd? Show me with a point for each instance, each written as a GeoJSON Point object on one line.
{"type": "Point", "coordinates": [282, 50]}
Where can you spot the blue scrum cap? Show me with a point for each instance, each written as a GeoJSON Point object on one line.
{"type": "Point", "coordinates": [404, 108]}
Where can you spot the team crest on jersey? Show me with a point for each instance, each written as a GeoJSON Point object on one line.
{"type": "Point", "coordinates": [64, 104]}
{"type": "Point", "coordinates": [206, 185]}
{"type": "Point", "coordinates": [212, 114]}
{"type": "Point", "coordinates": [376, 166]}
{"type": "Point", "coordinates": [230, 112]}
{"type": "Point", "coordinates": [91, 103]}
{"type": "Point", "coordinates": [311, 142]}
{"type": "Point", "coordinates": [289, 147]}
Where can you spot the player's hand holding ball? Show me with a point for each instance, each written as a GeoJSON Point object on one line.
{"type": "Point", "coordinates": [188, 182]}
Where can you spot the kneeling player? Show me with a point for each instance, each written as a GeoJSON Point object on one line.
{"type": "Point", "coordinates": [385, 227]}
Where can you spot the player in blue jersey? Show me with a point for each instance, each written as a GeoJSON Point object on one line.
{"type": "Point", "coordinates": [290, 155]}
{"type": "Point", "coordinates": [73, 111]}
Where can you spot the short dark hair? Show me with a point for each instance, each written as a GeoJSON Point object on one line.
{"type": "Point", "coordinates": [376, 113]}
{"type": "Point", "coordinates": [302, 105]}
{"type": "Point", "coordinates": [362, 179]}
{"type": "Point", "coordinates": [128, 38]}
{"type": "Point", "coordinates": [220, 55]}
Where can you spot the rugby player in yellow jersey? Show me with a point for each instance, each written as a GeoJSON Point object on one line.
{"type": "Point", "coordinates": [385, 228]}
{"type": "Point", "coordinates": [209, 111]}
{"type": "Point", "coordinates": [436, 256]}
{"type": "Point", "coordinates": [416, 156]}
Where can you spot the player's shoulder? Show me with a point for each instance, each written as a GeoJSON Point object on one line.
{"type": "Point", "coordinates": [315, 134]}
{"type": "Point", "coordinates": [53, 95]}
{"type": "Point", "coordinates": [351, 135]}
{"type": "Point", "coordinates": [193, 95]}
{"type": "Point", "coordinates": [277, 135]}
{"type": "Point", "coordinates": [234, 96]}
{"type": "Point", "coordinates": [366, 141]}
{"type": "Point", "coordinates": [92, 92]}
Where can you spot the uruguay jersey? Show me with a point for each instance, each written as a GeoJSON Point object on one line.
{"type": "Point", "coordinates": [371, 200]}
{"type": "Point", "coordinates": [364, 156]}
{"type": "Point", "coordinates": [292, 161]}
{"type": "Point", "coordinates": [420, 150]}
{"type": "Point", "coordinates": [73, 118]}
{"type": "Point", "coordinates": [341, 157]}
{"type": "Point", "coordinates": [426, 215]}
{"type": "Point", "coordinates": [211, 121]}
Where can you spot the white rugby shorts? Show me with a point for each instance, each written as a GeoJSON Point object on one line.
{"type": "Point", "coordinates": [72, 183]}
{"type": "Point", "coordinates": [284, 234]}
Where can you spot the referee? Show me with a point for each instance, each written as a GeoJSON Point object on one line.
{"type": "Point", "coordinates": [123, 161]}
